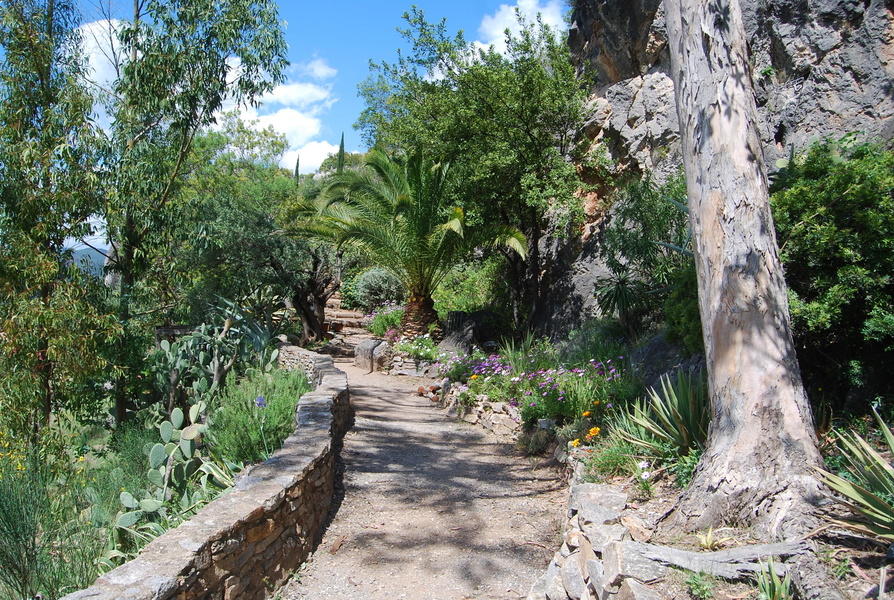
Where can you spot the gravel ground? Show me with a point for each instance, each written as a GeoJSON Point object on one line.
{"type": "Point", "coordinates": [433, 509]}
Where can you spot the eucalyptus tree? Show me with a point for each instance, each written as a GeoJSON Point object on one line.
{"type": "Point", "coordinates": [398, 211]}
{"type": "Point", "coordinates": [758, 466]}
{"type": "Point", "coordinates": [48, 189]}
{"type": "Point", "coordinates": [509, 121]}
{"type": "Point", "coordinates": [181, 60]}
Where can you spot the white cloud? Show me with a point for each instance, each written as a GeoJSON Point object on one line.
{"type": "Point", "coordinates": [299, 94]}
{"type": "Point", "coordinates": [312, 155]}
{"type": "Point", "coordinates": [493, 27]}
{"type": "Point", "coordinates": [101, 46]}
{"type": "Point", "coordinates": [319, 69]}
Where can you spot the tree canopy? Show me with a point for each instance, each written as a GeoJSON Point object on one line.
{"type": "Point", "coordinates": [508, 123]}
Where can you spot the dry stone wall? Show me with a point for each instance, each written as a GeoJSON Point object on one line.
{"type": "Point", "coordinates": [246, 543]}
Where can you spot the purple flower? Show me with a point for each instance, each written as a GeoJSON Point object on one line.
{"type": "Point", "coordinates": [260, 402]}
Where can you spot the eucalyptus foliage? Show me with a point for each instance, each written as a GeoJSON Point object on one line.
{"type": "Point", "coordinates": [48, 189]}
{"type": "Point", "coordinates": [179, 61]}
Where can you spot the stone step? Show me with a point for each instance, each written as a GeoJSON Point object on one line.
{"type": "Point", "coordinates": [352, 315]}
{"type": "Point", "coordinates": [339, 324]}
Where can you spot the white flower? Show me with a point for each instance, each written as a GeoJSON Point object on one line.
{"type": "Point", "coordinates": [645, 475]}
{"type": "Point", "coordinates": [643, 465]}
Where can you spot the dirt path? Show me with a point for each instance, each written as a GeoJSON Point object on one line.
{"type": "Point", "coordinates": [433, 509]}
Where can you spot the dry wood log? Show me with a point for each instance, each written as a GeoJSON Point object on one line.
{"type": "Point", "coordinates": [729, 564]}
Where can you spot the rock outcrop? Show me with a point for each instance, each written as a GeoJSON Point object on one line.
{"type": "Point", "coordinates": [820, 68]}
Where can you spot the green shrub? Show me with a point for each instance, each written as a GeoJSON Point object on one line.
{"type": "Point", "coordinates": [253, 418]}
{"type": "Point", "coordinates": [377, 287]}
{"type": "Point", "coordinates": [684, 467]}
{"type": "Point", "coordinates": [419, 348]}
{"type": "Point", "coordinates": [646, 242]}
{"type": "Point", "coordinates": [612, 456]}
{"type": "Point", "coordinates": [535, 442]}
{"type": "Point", "coordinates": [47, 548]}
{"type": "Point", "coordinates": [529, 354]}
{"type": "Point", "coordinates": [384, 319]}
{"type": "Point", "coordinates": [598, 338]}
{"type": "Point", "coordinates": [833, 209]}
{"type": "Point", "coordinates": [681, 314]}
{"type": "Point", "coordinates": [473, 286]}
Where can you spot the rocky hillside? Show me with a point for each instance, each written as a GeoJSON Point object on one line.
{"type": "Point", "coordinates": [820, 68]}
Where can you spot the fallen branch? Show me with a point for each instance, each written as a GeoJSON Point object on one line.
{"type": "Point", "coordinates": [729, 564]}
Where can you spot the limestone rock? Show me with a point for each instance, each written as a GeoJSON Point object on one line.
{"type": "Point", "coordinates": [596, 575]}
{"type": "Point", "coordinates": [631, 589]}
{"type": "Point", "coordinates": [820, 68]}
{"type": "Point", "coordinates": [372, 355]}
{"type": "Point", "coordinates": [555, 589]}
{"type": "Point", "coordinates": [637, 528]}
{"type": "Point", "coordinates": [591, 512]}
{"type": "Point", "coordinates": [573, 578]}
{"type": "Point", "coordinates": [538, 590]}
{"type": "Point", "coordinates": [597, 493]}
{"type": "Point", "coordinates": [623, 560]}
{"type": "Point", "coordinates": [600, 534]}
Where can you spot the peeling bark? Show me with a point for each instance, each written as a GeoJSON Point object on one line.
{"type": "Point", "coordinates": [757, 467]}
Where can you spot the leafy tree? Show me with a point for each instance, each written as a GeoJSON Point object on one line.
{"type": "Point", "coordinates": [398, 212]}
{"type": "Point", "coordinates": [182, 60]}
{"type": "Point", "coordinates": [758, 466]}
{"type": "Point", "coordinates": [834, 214]}
{"type": "Point", "coordinates": [506, 122]}
{"type": "Point", "coordinates": [48, 190]}
{"type": "Point", "coordinates": [233, 243]}
{"type": "Point", "coordinates": [646, 243]}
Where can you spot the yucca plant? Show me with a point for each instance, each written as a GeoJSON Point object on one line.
{"type": "Point", "coordinates": [677, 417]}
{"type": "Point", "coordinates": [769, 584]}
{"type": "Point", "coordinates": [872, 494]}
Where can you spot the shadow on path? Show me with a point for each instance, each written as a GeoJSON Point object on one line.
{"type": "Point", "coordinates": [433, 509]}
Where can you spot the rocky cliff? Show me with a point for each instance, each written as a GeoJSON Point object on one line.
{"type": "Point", "coordinates": [820, 68]}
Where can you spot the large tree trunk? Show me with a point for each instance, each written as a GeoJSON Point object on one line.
{"type": "Point", "coordinates": [757, 468]}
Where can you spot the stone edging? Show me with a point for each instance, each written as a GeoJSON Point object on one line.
{"type": "Point", "coordinates": [246, 543]}
{"type": "Point", "coordinates": [599, 557]}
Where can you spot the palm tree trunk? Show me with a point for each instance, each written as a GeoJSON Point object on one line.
{"type": "Point", "coordinates": [419, 316]}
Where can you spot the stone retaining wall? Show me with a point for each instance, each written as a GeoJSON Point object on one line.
{"type": "Point", "coordinates": [246, 543]}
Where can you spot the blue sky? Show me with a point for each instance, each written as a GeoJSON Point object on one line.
{"type": "Point", "coordinates": [330, 46]}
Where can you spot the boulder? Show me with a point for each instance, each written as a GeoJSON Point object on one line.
{"type": "Point", "coordinates": [372, 355]}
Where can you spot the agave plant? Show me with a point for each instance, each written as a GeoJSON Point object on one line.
{"type": "Point", "coordinates": [678, 416]}
{"type": "Point", "coordinates": [872, 494]}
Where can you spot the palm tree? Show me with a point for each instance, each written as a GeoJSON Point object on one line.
{"type": "Point", "coordinates": [398, 212]}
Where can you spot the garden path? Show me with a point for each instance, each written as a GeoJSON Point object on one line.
{"type": "Point", "coordinates": [433, 509]}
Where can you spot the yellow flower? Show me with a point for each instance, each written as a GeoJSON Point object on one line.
{"type": "Point", "coordinates": [575, 443]}
{"type": "Point", "coordinates": [595, 402]}
{"type": "Point", "coordinates": [473, 377]}
{"type": "Point", "coordinates": [595, 431]}
{"type": "Point", "coordinates": [586, 413]}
